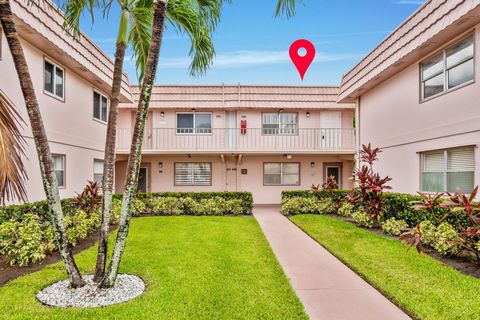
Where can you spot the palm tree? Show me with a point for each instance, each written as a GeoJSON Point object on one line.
{"type": "Point", "coordinates": [13, 174]}
{"type": "Point", "coordinates": [49, 178]}
{"type": "Point", "coordinates": [135, 29]}
{"type": "Point", "coordinates": [197, 19]}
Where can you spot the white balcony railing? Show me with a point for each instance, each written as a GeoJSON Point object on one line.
{"type": "Point", "coordinates": [238, 140]}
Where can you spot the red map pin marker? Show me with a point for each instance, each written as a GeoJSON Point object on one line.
{"type": "Point", "coordinates": [302, 62]}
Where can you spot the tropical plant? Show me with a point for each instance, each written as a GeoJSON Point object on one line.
{"type": "Point", "coordinates": [362, 218]}
{"type": "Point", "coordinates": [49, 179]}
{"type": "Point", "coordinates": [459, 204]}
{"type": "Point", "coordinates": [346, 209]}
{"type": "Point", "coordinates": [135, 29]}
{"type": "Point", "coordinates": [393, 227]}
{"type": "Point", "coordinates": [13, 174]}
{"type": "Point", "coordinates": [89, 199]}
{"type": "Point", "coordinates": [370, 185]}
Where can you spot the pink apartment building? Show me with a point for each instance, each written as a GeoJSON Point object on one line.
{"type": "Point", "coordinates": [262, 139]}
{"type": "Point", "coordinates": [417, 97]}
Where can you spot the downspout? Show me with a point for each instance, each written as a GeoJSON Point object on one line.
{"type": "Point", "coordinates": [357, 133]}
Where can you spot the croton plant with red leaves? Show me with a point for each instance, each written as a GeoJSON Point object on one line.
{"type": "Point", "coordinates": [458, 203]}
{"type": "Point", "coordinates": [369, 184]}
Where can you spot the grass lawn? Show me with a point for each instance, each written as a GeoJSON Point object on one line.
{"type": "Point", "coordinates": [423, 286]}
{"type": "Point", "coordinates": [194, 267]}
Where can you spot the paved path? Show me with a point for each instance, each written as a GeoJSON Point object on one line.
{"type": "Point", "coordinates": [327, 288]}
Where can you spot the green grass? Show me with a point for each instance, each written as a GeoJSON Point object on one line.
{"type": "Point", "coordinates": [194, 267]}
{"type": "Point", "coordinates": [421, 285]}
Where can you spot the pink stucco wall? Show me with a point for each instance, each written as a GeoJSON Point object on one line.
{"type": "Point", "coordinates": [70, 126]}
{"type": "Point", "coordinates": [392, 117]}
{"type": "Point", "coordinates": [162, 179]}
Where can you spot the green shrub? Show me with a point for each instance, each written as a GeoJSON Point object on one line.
{"type": "Point", "coordinates": [427, 232]}
{"type": "Point", "coordinates": [446, 239]}
{"type": "Point", "coordinates": [362, 219]}
{"type": "Point", "coordinates": [22, 242]}
{"type": "Point", "coordinates": [235, 207]}
{"type": "Point", "coordinates": [346, 209]}
{"type": "Point", "coordinates": [215, 206]}
{"type": "Point", "coordinates": [245, 197]}
{"type": "Point", "coordinates": [393, 227]}
{"type": "Point", "coordinates": [167, 206]}
{"type": "Point", "coordinates": [138, 207]}
{"type": "Point", "coordinates": [79, 225]}
{"type": "Point", "coordinates": [302, 205]}
{"type": "Point", "coordinates": [115, 211]}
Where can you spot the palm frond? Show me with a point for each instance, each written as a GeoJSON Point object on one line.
{"type": "Point", "coordinates": [12, 174]}
{"type": "Point", "coordinates": [188, 18]}
{"type": "Point", "coordinates": [141, 33]}
{"type": "Point", "coordinates": [287, 7]}
{"type": "Point", "coordinates": [73, 10]}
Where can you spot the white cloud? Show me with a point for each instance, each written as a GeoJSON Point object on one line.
{"type": "Point", "coordinates": [239, 59]}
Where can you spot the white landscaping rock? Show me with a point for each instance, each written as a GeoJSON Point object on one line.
{"type": "Point", "coordinates": [60, 294]}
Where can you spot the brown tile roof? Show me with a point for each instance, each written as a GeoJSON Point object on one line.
{"type": "Point", "coordinates": [242, 96]}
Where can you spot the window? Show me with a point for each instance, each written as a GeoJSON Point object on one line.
{"type": "Point", "coordinates": [449, 69]}
{"type": "Point", "coordinates": [198, 122]}
{"type": "Point", "coordinates": [445, 170]}
{"type": "Point", "coordinates": [281, 174]}
{"type": "Point", "coordinates": [279, 123]}
{"type": "Point", "coordinates": [193, 174]}
{"type": "Point", "coordinates": [100, 104]}
{"type": "Point", "coordinates": [98, 171]}
{"type": "Point", "coordinates": [53, 80]}
{"type": "Point", "coordinates": [59, 168]}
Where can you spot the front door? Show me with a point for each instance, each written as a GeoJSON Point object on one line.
{"type": "Point", "coordinates": [142, 180]}
{"type": "Point", "coordinates": [231, 175]}
{"type": "Point", "coordinates": [330, 129]}
{"type": "Point", "coordinates": [333, 170]}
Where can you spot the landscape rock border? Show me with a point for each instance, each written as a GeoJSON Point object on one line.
{"type": "Point", "coordinates": [60, 294]}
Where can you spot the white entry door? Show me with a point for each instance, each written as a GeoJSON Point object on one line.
{"type": "Point", "coordinates": [231, 131]}
{"type": "Point", "coordinates": [331, 129]}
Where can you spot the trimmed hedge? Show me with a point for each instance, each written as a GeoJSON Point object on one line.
{"type": "Point", "coordinates": [397, 205]}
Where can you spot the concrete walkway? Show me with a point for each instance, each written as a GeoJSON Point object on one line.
{"type": "Point", "coordinates": [327, 288]}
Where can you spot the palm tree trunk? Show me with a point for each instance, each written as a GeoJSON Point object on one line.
{"type": "Point", "coordinates": [109, 162]}
{"type": "Point", "coordinates": [133, 166]}
{"type": "Point", "coordinates": [49, 178]}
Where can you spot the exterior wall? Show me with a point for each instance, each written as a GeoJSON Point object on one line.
{"type": "Point", "coordinates": [69, 124]}
{"type": "Point", "coordinates": [392, 117]}
{"type": "Point", "coordinates": [162, 179]}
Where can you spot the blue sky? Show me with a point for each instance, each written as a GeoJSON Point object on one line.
{"type": "Point", "coordinates": [252, 45]}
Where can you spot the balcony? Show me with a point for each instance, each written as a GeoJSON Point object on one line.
{"type": "Point", "coordinates": [250, 140]}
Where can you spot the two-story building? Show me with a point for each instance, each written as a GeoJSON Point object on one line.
{"type": "Point", "coordinates": [262, 139]}
{"type": "Point", "coordinates": [72, 80]}
{"type": "Point", "coordinates": [417, 97]}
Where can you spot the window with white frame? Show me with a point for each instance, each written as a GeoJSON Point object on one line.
{"type": "Point", "coordinates": [98, 171]}
{"type": "Point", "coordinates": [448, 69]}
{"type": "Point", "coordinates": [279, 123]}
{"type": "Point", "coordinates": [194, 122]}
{"type": "Point", "coordinates": [54, 83]}
{"type": "Point", "coordinates": [100, 106]}
{"type": "Point", "coordinates": [281, 174]}
{"type": "Point", "coordinates": [59, 168]}
{"type": "Point", "coordinates": [445, 170]}
{"type": "Point", "coordinates": [193, 174]}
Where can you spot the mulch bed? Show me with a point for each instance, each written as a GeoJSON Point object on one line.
{"type": "Point", "coordinates": [459, 263]}
{"type": "Point", "coordinates": [8, 272]}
